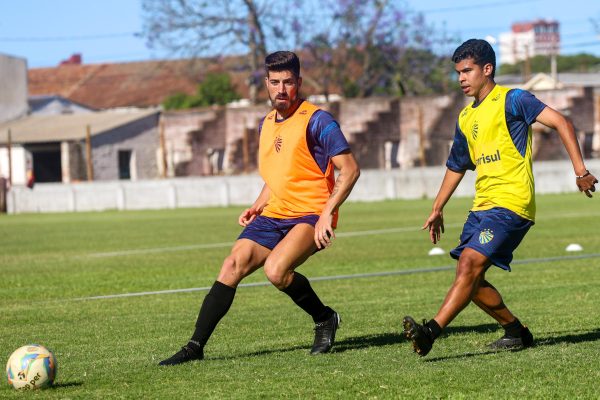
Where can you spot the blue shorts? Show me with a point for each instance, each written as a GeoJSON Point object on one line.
{"type": "Point", "coordinates": [495, 233]}
{"type": "Point", "coordinates": [268, 231]}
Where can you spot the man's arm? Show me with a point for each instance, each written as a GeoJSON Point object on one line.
{"type": "Point", "coordinates": [347, 177]}
{"type": "Point", "coordinates": [435, 222]}
{"type": "Point", "coordinates": [250, 214]}
{"type": "Point", "coordinates": [553, 119]}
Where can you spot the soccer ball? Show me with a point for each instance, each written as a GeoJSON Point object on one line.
{"type": "Point", "coordinates": [31, 367]}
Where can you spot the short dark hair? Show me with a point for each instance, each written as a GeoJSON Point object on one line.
{"type": "Point", "coordinates": [283, 61]}
{"type": "Point", "coordinates": [479, 50]}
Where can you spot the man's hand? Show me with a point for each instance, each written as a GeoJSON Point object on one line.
{"type": "Point", "coordinates": [324, 231]}
{"type": "Point", "coordinates": [247, 216]}
{"type": "Point", "coordinates": [435, 224]}
{"type": "Point", "coordinates": [586, 183]}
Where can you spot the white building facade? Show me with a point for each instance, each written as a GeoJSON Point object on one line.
{"type": "Point", "coordinates": [529, 39]}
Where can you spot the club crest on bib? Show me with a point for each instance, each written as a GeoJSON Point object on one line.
{"type": "Point", "coordinates": [474, 130]}
{"type": "Point", "coordinates": [278, 142]}
{"type": "Point", "coordinates": [486, 236]}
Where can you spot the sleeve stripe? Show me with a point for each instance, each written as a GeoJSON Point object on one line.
{"type": "Point", "coordinates": [332, 125]}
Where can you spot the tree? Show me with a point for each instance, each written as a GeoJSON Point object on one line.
{"type": "Point", "coordinates": [215, 89]}
{"type": "Point", "coordinates": [207, 28]}
{"type": "Point", "coordinates": [359, 46]}
{"type": "Point", "coordinates": [575, 63]}
{"type": "Point", "coordinates": [374, 47]}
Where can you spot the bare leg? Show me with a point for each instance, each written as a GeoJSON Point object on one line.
{"type": "Point", "coordinates": [280, 267]}
{"type": "Point", "coordinates": [489, 300]}
{"type": "Point", "coordinates": [246, 257]}
{"type": "Point", "coordinates": [289, 254]}
{"type": "Point", "coordinates": [470, 271]}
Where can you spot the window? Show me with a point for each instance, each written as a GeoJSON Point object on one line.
{"type": "Point", "coordinates": [124, 164]}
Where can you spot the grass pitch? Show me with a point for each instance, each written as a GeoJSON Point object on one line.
{"type": "Point", "coordinates": [55, 269]}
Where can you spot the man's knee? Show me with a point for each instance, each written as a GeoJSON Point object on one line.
{"type": "Point", "coordinates": [278, 274]}
{"type": "Point", "coordinates": [234, 269]}
{"type": "Point", "coordinates": [471, 266]}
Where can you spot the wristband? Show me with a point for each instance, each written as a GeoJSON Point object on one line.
{"type": "Point", "coordinates": [583, 176]}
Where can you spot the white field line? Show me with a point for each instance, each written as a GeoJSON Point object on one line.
{"type": "Point", "coordinates": [338, 277]}
{"type": "Point", "coordinates": [229, 244]}
{"type": "Point", "coordinates": [154, 250]}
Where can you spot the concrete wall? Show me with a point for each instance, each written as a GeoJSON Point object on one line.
{"type": "Point", "coordinates": [141, 137]}
{"type": "Point", "coordinates": [13, 87]}
{"type": "Point", "coordinates": [19, 158]}
{"type": "Point", "coordinates": [373, 185]}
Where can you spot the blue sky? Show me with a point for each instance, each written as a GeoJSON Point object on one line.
{"type": "Point", "coordinates": [48, 31]}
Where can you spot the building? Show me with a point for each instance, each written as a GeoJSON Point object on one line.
{"type": "Point", "coordinates": [529, 39]}
{"type": "Point", "coordinates": [13, 87]}
{"type": "Point", "coordinates": [105, 145]}
{"type": "Point", "coordinates": [53, 104]}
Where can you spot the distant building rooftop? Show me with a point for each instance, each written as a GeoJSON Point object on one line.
{"type": "Point", "coordinates": [61, 127]}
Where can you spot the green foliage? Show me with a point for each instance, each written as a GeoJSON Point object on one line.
{"type": "Point", "coordinates": [177, 101]}
{"type": "Point", "coordinates": [576, 63]}
{"type": "Point", "coordinates": [109, 348]}
{"type": "Point", "coordinates": [215, 89]}
{"type": "Point", "coordinates": [421, 72]}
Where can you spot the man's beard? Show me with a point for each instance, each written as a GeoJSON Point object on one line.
{"type": "Point", "coordinates": [282, 106]}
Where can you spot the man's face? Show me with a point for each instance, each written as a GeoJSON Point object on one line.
{"type": "Point", "coordinates": [472, 77]}
{"type": "Point", "coordinates": [283, 89]}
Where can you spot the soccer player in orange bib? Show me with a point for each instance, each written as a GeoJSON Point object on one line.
{"type": "Point", "coordinates": [296, 212]}
{"type": "Point", "coordinates": [493, 137]}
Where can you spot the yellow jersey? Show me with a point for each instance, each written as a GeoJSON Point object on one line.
{"type": "Point", "coordinates": [494, 138]}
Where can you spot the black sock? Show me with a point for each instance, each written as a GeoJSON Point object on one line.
{"type": "Point", "coordinates": [513, 329]}
{"type": "Point", "coordinates": [434, 328]}
{"type": "Point", "coordinates": [214, 307]}
{"type": "Point", "coordinates": [305, 297]}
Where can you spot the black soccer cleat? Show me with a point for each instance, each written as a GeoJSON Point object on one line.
{"type": "Point", "coordinates": [513, 343]}
{"type": "Point", "coordinates": [325, 334]}
{"type": "Point", "coordinates": [186, 354]}
{"type": "Point", "coordinates": [420, 335]}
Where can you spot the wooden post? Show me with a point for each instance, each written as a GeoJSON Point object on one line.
{"type": "Point", "coordinates": [163, 147]}
{"type": "Point", "coordinates": [245, 148]}
{"type": "Point", "coordinates": [3, 184]}
{"type": "Point", "coordinates": [421, 137]}
{"type": "Point", "coordinates": [88, 153]}
{"type": "Point", "coordinates": [9, 144]}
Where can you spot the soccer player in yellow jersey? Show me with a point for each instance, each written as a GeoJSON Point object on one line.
{"type": "Point", "coordinates": [493, 137]}
{"type": "Point", "coordinates": [296, 212]}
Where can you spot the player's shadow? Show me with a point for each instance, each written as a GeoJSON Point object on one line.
{"type": "Point", "coordinates": [361, 342]}
{"type": "Point", "coordinates": [584, 336]}
{"type": "Point", "coordinates": [482, 328]}
{"type": "Point", "coordinates": [341, 345]}
{"type": "Point", "coordinates": [62, 385]}
{"type": "Point", "coordinates": [571, 338]}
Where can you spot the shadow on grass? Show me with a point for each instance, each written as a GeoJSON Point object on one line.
{"type": "Point", "coordinates": [65, 385]}
{"type": "Point", "coordinates": [361, 342]}
{"type": "Point", "coordinates": [351, 343]}
{"type": "Point", "coordinates": [584, 336]}
{"type": "Point", "coordinates": [483, 328]}
{"type": "Point", "coordinates": [391, 338]}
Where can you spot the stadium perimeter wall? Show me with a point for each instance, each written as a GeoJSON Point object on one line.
{"type": "Point", "coordinates": [242, 190]}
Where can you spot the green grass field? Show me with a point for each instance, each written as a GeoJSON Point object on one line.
{"type": "Point", "coordinates": [51, 266]}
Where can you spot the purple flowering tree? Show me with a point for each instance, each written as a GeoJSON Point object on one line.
{"type": "Point", "coordinates": [374, 47]}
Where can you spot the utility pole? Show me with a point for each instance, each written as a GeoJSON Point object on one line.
{"type": "Point", "coordinates": [9, 143]}
{"type": "Point", "coordinates": [163, 147]}
{"type": "Point", "coordinates": [526, 65]}
{"type": "Point", "coordinates": [88, 153]}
